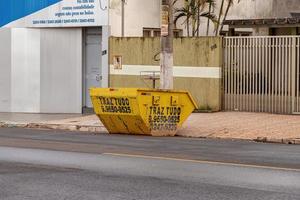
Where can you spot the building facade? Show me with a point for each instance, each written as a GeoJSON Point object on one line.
{"type": "Point", "coordinates": [51, 53]}
{"type": "Point", "coordinates": [261, 18]}
{"type": "Point", "coordinates": [142, 18]}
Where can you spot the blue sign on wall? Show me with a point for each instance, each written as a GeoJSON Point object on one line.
{"type": "Point", "coordinates": [53, 13]}
{"type": "Point", "coordinates": [11, 10]}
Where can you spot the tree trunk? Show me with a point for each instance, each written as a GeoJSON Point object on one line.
{"type": "Point", "coordinates": [186, 5]}
{"type": "Point", "coordinates": [166, 75]}
{"type": "Point", "coordinates": [219, 19]}
{"type": "Point", "coordinates": [194, 25]}
{"type": "Point", "coordinates": [188, 26]}
{"type": "Point", "coordinates": [198, 18]}
{"type": "Point", "coordinates": [208, 21]}
{"type": "Point", "coordinates": [225, 16]}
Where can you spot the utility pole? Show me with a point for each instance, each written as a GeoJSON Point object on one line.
{"type": "Point", "coordinates": [123, 18]}
{"type": "Point", "coordinates": [166, 57]}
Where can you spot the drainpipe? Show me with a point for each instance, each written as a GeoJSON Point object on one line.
{"type": "Point", "coordinates": [123, 18]}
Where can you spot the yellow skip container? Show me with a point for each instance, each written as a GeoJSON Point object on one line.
{"type": "Point", "coordinates": [142, 111]}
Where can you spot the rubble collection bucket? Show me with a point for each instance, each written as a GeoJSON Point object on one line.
{"type": "Point", "coordinates": [142, 111]}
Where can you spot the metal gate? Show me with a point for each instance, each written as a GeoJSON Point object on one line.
{"type": "Point", "coordinates": [262, 74]}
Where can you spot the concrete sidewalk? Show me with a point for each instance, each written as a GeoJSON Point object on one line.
{"type": "Point", "coordinates": [227, 125]}
{"type": "Point", "coordinates": [240, 125]}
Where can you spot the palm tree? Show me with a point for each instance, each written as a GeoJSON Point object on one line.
{"type": "Point", "coordinates": [193, 11]}
{"type": "Point", "coordinates": [219, 18]}
{"type": "Point", "coordinates": [212, 4]}
{"type": "Point", "coordinates": [199, 5]}
{"type": "Point", "coordinates": [183, 12]}
{"type": "Point", "coordinates": [229, 5]}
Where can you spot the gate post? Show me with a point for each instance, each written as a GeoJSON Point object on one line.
{"type": "Point", "coordinates": [294, 46]}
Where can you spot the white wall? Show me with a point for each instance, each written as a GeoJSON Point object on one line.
{"type": "Point", "coordinates": [251, 9]}
{"type": "Point", "coordinates": [41, 70]}
{"type": "Point", "coordinates": [61, 70]}
{"type": "Point", "coordinates": [138, 14]}
{"type": "Point", "coordinates": [284, 8]}
{"type": "Point", "coordinates": [146, 13]}
{"type": "Point", "coordinates": [5, 70]}
{"type": "Point", "coordinates": [25, 70]}
{"type": "Point", "coordinates": [246, 9]}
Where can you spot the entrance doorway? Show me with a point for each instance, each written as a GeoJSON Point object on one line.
{"type": "Point", "coordinates": [92, 62]}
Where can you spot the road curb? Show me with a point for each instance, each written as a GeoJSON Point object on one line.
{"type": "Point", "coordinates": [68, 127]}
{"type": "Point", "coordinates": [102, 129]}
{"type": "Point", "coordinates": [12, 125]}
{"type": "Point", "coordinates": [294, 141]}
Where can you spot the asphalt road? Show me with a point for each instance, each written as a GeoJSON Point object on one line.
{"type": "Point", "coordinates": [63, 165]}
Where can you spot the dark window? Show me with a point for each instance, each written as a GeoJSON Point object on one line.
{"type": "Point", "coordinates": [155, 32]}
{"type": "Point", "coordinates": [146, 33]}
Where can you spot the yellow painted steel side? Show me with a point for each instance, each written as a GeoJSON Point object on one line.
{"type": "Point", "coordinates": [142, 111]}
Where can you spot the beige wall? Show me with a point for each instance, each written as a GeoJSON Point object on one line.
{"type": "Point", "coordinates": [197, 66]}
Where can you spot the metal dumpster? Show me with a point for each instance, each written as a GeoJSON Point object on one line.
{"type": "Point", "coordinates": [142, 111]}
